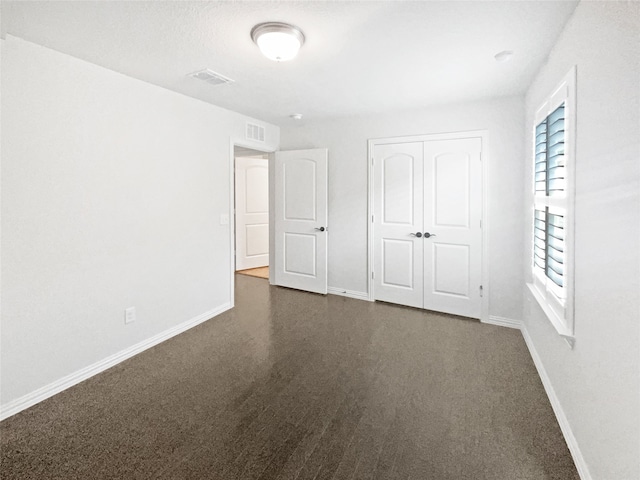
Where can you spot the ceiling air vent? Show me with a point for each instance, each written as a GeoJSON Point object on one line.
{"type": "Point", "coordinates": [211, 77]}
{"type": "Point", "coordinates": [255, 132]}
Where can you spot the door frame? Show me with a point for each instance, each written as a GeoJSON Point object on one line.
{"type": "Point", "coordinates": [484, 137]}
{"type": "Point", "coordinates": [236, 142]}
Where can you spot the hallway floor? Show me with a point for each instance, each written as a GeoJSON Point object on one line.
{"type": "Point", "coordinates": [260, 272]}
{"type": "Point", "coordinates": [293, 385]}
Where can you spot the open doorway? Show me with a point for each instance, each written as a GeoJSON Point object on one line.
{"type": "Point", "coordinates": [297, 258]}
{"type": "Point", "coordinates": [251, 206]}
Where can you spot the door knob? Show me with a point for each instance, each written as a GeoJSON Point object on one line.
{"type": "Point", "coordinates": [419, 234]}
{"type": "Point", "coordinates": [321, 229]}
{"type": "Point", "coordinates": [427, 234]}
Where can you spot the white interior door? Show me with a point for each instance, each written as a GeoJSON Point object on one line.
{"type": "Point", "coordinates": [398, 215]}
{"type": "Point", "coordinates": [300, 219]}
{"type": "Point", "coordinates": [252, 212]}
{"type": "Point", "coordinates": [427, 230]}
{"type": "Point", "coordinates": [453, 235]}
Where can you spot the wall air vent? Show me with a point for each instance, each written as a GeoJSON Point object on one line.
{"type": "Point", "coordinates": [255, 132]}
{"type": "Point", "coordinates": [211, 77]}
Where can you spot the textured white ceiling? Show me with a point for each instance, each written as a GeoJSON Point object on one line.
{"type": "Point", "coordinates": [359, 57]}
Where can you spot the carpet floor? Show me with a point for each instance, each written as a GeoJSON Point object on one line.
{"type": "Point", "coordinates": [293, 385]}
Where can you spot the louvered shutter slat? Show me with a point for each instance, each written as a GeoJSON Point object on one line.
{"type": "Point", "coordinates": [556, 183]}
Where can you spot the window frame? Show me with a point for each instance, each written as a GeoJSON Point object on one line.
{"type": "Point", "coordinates": [557, 302]}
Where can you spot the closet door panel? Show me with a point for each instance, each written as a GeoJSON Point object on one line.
{"type": "Point", "coordinates": [453, 235]}
{"type": "Point", "coordinates": [398, 214]}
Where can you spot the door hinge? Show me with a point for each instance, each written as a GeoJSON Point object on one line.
{"type": "Point", "coordinates": [372, 161]}
{"type": "Point", "coordinates": [373, 275]}
{"type": "Point", "coordinates": [371, 218]}
{"type": "Point", "coordinates": [481, 291]}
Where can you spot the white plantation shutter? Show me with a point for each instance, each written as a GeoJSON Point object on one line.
{"type": "Point", "coordinates": [553, 167]}
{"type": "Point", "coordinates": [555, 249]}
{"type": "Point", "coordinates": [556, 181]}
{"type": "Point", "coordinates": [540, 240]}
{"type": "Point", "coordinates": [541, 158]}
{"type": "Point", "coordinates": [550, 181]}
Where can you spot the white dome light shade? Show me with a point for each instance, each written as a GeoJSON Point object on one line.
{"type": "Point", "coordinates": [278, 41]}
{"type": "Point", "coordinates": [278, 46]}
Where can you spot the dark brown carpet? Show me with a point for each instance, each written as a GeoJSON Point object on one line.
{"type": "Point", "coordinates": [291, 385]}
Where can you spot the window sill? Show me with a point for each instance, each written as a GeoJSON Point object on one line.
{"type": "Point", "coordinates": [556, 321]}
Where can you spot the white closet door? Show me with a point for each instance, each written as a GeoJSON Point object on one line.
{"type": "Point", "coordinates": [452, 216]}
{"type": "Point", "coordinates": [398, 219]}
{"type": "Point", "coordinates": [252, 213]}
{"type": "Point", "coordinates": [301, 212]}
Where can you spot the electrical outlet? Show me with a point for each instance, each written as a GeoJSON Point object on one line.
{"type": "Point", "coordinates": [129, 315]}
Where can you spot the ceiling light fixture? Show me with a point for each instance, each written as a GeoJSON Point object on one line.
{"type": "Point", "coordinates": [296, 116]}
{"type": "Point", "coordinates": [503, 56]}
{"type": "Point", "coordinates": [278, 41]}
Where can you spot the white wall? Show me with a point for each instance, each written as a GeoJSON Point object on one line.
{"type": "Point", "coordinates": [112, 191]}
{"type": "Point", "coordinates": [346, 139]}
{"type": "Point", "coordinates": [597, 383]}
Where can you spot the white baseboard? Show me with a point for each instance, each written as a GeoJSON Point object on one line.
{"type": "Point", "coordinates": [503, 322]}
{"type": "Point", "coordinates": [30, 399]}
{"type": "Point", "coordinates": [348, 293]}
{"type": "Point", "coordinates": [572, 443]}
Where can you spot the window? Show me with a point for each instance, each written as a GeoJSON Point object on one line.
{"type": "Point", "coordinates": [552, 212]}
